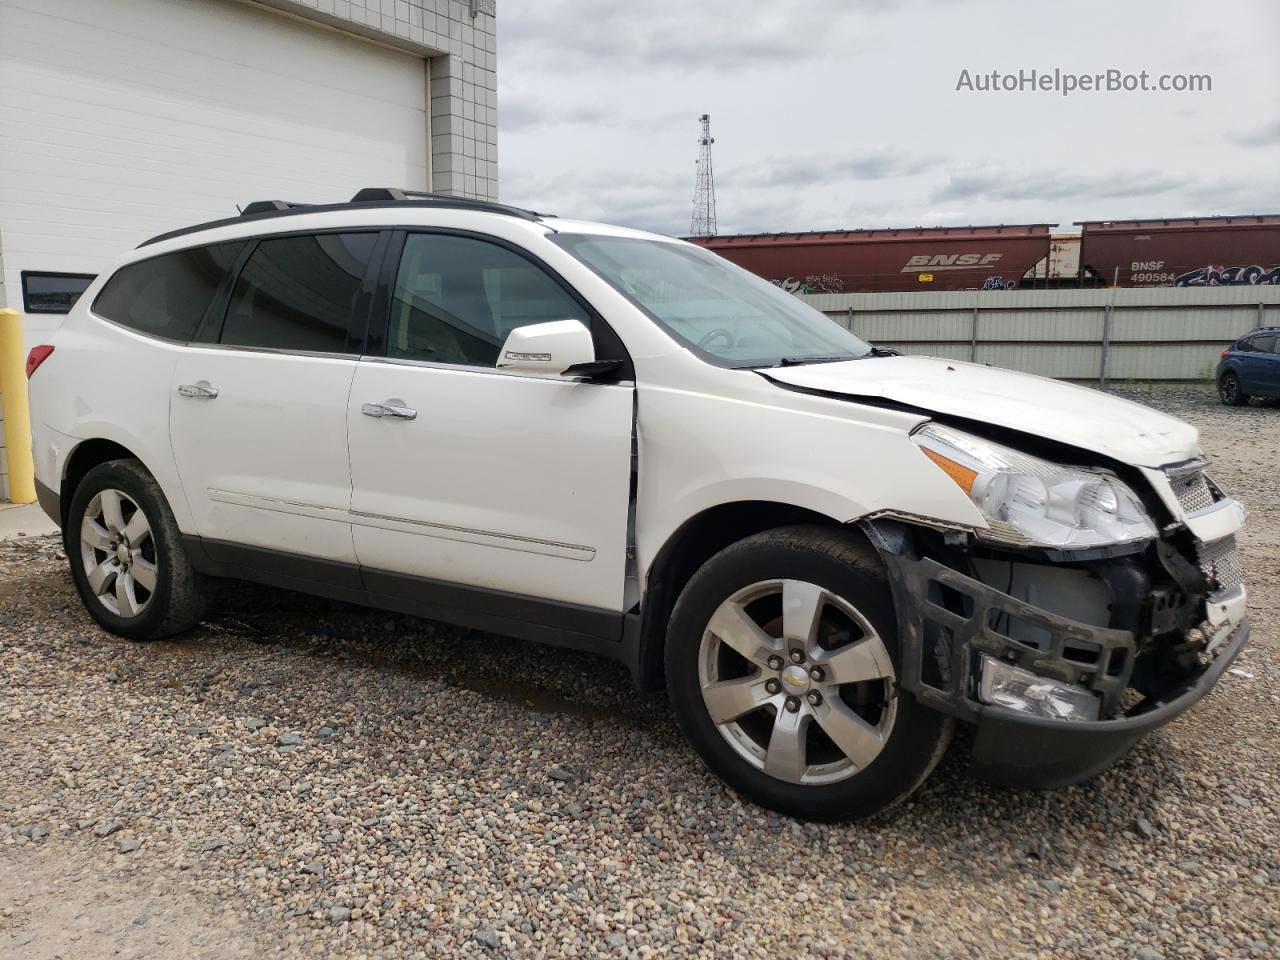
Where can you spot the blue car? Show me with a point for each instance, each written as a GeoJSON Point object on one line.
{"type": "Point", "coordinates": [1250, 367]}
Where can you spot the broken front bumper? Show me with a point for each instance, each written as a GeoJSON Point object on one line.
{"type": "Point", "coordinates": [1018, 750]}
{"type": "Point", "coordinates": [948, 621]}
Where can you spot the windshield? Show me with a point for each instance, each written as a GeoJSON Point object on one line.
{"type": "Point", "coordinates": [732, 317]}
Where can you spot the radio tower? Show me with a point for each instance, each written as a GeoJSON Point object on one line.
{"type": "Point", "coordinates": [704, 192]}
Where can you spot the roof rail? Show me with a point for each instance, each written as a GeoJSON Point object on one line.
{"type": "Point", "coordinates": [384, 194]}
{"type": "Point", "coordinates": [269, 206]}
{"type": "Point", "coordinates": [369, 197]}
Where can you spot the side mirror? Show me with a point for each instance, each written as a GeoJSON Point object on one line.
{"type": "Point", "coordinates": [557, 348]}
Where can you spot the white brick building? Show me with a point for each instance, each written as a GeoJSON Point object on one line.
{"type": "Point", "coordinates": [125, 119]}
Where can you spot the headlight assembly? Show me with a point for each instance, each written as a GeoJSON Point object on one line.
{"type": "Point", "coordinates": [1032, 502]}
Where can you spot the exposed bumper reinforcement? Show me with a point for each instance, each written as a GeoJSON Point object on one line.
{"type": "Point", "coordinates": [939, 645]}
{"type": "Point", "coordinates": [941, 650]}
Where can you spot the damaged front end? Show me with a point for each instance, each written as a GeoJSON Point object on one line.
{"type": "Point", "coordinates": [1064, 659]}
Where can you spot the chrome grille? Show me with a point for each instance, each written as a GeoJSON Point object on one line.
{"type": "Point", "coordinates": [1193, 492]}
{"type": "Point", "coordinates": [1220, 561]}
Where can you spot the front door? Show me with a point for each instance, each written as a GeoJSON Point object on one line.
{"type": "Point", "coordinates": [502, 483]}
{"type": "Point", "coordinates": [258, 417]}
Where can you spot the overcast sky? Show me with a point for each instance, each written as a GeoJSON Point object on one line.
{"type": "Point", "coordinates": [845, 113]}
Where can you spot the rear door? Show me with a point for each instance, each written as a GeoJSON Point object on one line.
{"type": "Point", "coordinates": [1256, 358]}
{"type": "Point", "coordinates": [1267, 381]}
{"type": "Point", "coordinates": [502, 483]}
{"type": "Point", "coordinates": [258, 413]}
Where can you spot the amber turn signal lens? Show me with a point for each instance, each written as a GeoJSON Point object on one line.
{"type": "Point", "coordinates": [962, 475]}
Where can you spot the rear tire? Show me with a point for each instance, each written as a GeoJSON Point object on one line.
{"type": "Point", "coordinates": [126, 554]}
{"type": "Point", "coordinates": [849, 742]}
{"type": "Point", "coordinates": [1229, 391]}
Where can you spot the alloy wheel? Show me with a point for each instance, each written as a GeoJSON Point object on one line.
{"type": "Point", "coordinates": [1230, 389]}
{"type": "Point", "coordinates": [118, 553]}
{"type": "Point", "coordinates": [797, 681]}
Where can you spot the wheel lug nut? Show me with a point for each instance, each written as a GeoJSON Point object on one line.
{"type": "Point", "coordinates": [776, 662]}
{"type": "Point", "coordinates": [793, 704]}
{"type": "Point", "coordinates": [815, 698]}
{"type": "Point", "coordinates": [817, 674]}
{"type": "Point", "coordinates": [772, 685]}
{"type": "Point", "coordinates": [797, 655]}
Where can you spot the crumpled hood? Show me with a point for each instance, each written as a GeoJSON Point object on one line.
{"type": "Point", "coordinates": [1085, 418]}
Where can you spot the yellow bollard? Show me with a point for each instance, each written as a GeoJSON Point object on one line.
{"type": "Point", "coordinates": [17, 415]}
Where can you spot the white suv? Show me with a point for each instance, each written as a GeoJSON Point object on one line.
{"type": "Point", "coordinates": [619, 442]}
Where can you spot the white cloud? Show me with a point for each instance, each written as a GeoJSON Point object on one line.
{"type": "Point", "coordinates": [845, 114]}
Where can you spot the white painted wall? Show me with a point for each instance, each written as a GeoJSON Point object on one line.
{"type": "Point", "coordinates": [122, 120]}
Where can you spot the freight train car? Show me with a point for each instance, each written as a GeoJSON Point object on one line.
{"type": "Point", "coordinates": [921, 258]}
{"type": "Point", "coordinates": [1192, 252]}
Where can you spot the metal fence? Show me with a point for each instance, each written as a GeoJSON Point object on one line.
{"type": "Point", "coordinates": [1159, 333]}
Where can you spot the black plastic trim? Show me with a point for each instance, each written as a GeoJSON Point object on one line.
{"type": "Point", "coordinates": [49, 502]}
{"type": "Point", "coordinates": [370, 297]}
{"type": "Point", "coordinates": [400, 195]}
{"type": "Point", "coordinates": [595, 370]}
{"type": "Point", "coordinates": [532, 618]}
{"type": "Point", "coordinates": [449, 203]}
{"type": "Point", "coordinates": [209, 330]}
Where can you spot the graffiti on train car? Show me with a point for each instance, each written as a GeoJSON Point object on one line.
{"type": "Point", "coordinates": [1210, 276]}
{"type": "Point", "coordinates": [814, 283]}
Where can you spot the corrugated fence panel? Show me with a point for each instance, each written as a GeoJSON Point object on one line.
{"type": "Point", "coordinates": [1161, 333]}
{"type": "Point", "coordinates": [948, 351]}
{"type": "Point", "coordinates": [1013, 325]}
{"type": "Point", "coordinates": [1170, 361]}
{"type": "Point", "coordinates": [945, 327]}
{"type": "Point", "coordinates": [1221, 326]}
{"type": "Point", "coordinates": [1044, 359]}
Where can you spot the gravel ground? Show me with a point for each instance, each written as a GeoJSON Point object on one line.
{"type": "Point", "coordinates": [302, 778]}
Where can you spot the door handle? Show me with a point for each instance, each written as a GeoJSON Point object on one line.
{"type": "Point", "coordinates": [200, 391]}
{"type": "Point", "coordinates": [389, 408]}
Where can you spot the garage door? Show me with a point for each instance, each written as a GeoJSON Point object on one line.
{"type": "Point", "coordinates": [122, 120]}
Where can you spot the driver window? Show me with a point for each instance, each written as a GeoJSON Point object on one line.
{"type": "Point", "coordinates": [457, 298]}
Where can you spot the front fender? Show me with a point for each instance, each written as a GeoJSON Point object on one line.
{"type": "Point", "coordinates": [841, 459]}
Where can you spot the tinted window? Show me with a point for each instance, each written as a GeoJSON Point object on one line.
{"type": "Point", "coordinates": [167, 296]}
{"type": "Point", "coordinates": [456, 299]}
{"type": "Point", "coordinates": [299, 293]}
{"type": "Point", "coordinates": [1265, 343]}
{"type": "Point", "coordinates": [52, 292]}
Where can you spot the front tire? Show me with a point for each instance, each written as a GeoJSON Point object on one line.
{"type": "Point", "coordinates": [1229, 391]}
{"type": "Point", "coordinates": [126, 554]}
{"type": "Point", "coordinates": [782, 660]}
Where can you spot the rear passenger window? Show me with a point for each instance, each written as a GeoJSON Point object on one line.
{"type": "Point", "coordinates": [167, 296]}
{"type": "Point", "coordinates": [299, 293]}
{"type": "Point", "coordinates": [456, 299]}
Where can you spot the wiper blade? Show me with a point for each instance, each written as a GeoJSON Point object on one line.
{"type": "Point", "coordinates": [797, 361]}
{"type": "Point", "coordinates": [882, 352]}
